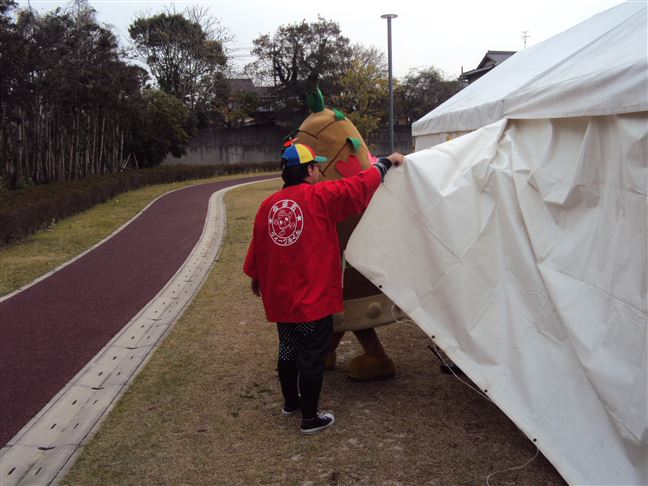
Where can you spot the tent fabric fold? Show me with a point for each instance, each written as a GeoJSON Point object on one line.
{"type": "Point", "coordinates": [522, 247]}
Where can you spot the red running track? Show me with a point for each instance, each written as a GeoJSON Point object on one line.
{"type": "Point", "coordinates": [51, 330]}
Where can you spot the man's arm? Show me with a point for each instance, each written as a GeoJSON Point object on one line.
{"type": "Point", "coordinates": [350, 196]}
{"type": "Point", "coordinates": [254, 286]}
{"type": "Point", "coordinates": [249, 266]}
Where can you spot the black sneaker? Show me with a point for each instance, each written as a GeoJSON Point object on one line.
{"type": "Point", "coordinates": [317, 424]}
{"type": "Point", "coordinates": [291, 409]}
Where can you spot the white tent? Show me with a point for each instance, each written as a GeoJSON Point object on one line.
{"type": "Point", "coordinates": [522, 247]}
{"type": "Point", "coordinates": [595, 68]}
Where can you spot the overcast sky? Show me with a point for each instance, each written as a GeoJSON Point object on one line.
{"type": "Point", "coordinates": [444, 34]}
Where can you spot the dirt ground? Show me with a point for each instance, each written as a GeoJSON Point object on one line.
{"type": "Point", "coordinates": [206, 409]}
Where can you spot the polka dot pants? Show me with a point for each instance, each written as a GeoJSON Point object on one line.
{"type": "Point", "coordinates": [305, 343]}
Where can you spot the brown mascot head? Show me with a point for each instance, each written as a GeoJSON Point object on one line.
{"type": "Point", "coordinates": [331, 134]}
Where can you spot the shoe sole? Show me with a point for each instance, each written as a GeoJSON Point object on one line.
{"type": "Point", "coordinates": [288, 413]}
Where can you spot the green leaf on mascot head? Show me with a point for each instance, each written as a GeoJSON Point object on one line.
{"type": "Point", "coordinates": [315, 100]}
{"type": "Point", "coordinates": [339, 115]}
{"type": "Point", "coordinates": [356, 142]}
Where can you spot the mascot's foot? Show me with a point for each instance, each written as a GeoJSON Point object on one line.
{"type": "Point", "coordinates": [365, 367]}
{"type": "Point", "coordinates": [329, 364]}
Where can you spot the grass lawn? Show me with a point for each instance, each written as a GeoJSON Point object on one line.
{"type": "Point", "coordinates": [206, 408]}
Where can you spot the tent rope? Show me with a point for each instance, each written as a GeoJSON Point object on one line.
{"type": "Point", "coordinates": [439, 355]}
{"type": "Point", "coordinates": [514, 468]}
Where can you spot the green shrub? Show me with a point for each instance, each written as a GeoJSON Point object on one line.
{"type": "Point", "coordinates": [36, 207]}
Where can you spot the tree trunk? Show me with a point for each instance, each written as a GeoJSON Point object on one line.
{"type": "Point", "coordinates": [101, 143]}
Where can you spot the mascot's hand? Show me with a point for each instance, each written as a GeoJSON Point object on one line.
{"type": "Point", "coordinates": [254, 285]}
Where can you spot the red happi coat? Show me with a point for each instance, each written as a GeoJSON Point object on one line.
{"type": "Point", "coordinates": [295, 251]}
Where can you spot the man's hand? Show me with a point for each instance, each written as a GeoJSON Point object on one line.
{"type": "Point", "coordinates": [254, 285]}
{"type": "Point", "coordinates": [397, 159]}
{"type": "Point", "coordinates": [384, 163]}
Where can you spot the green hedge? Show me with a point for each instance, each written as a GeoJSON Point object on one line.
{"type": "Point", "coordinates": [30, 209]}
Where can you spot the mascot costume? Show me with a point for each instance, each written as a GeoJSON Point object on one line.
{"type": "Point", "coordinates": [331, 134]}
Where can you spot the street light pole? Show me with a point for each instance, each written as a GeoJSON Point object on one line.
{"type": "Point", "coordinates": [389, 18]}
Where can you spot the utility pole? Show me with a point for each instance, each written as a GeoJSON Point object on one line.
{"type": "Point", "coordinates": [389, 18]}
{"type": "Point", "coordinates": [525, 35]}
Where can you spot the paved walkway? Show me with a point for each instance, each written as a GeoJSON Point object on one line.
{"type": "Point", "coordinates": [51, 330]}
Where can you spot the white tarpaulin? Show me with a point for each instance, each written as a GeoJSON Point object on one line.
{"type": "Point", "coordinates": [598, 67]}
{"type": "Point", "coordinates": [522, 248]}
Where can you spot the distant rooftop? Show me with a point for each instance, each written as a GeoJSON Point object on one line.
{"type": "Point", "coordinates": [490, 60]}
